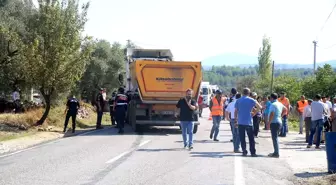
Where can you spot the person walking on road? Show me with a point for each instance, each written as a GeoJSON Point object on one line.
{"type": "Point", "coordinates": [186, 107]}
{"type": "Point", "coordinates": [300, 105]}
{"type": "Point", "coordinates": [71, 110]}
{"type": "Point", "coordinates": [100, 102]}
{"type": "Point", "coordinates": [276, 112]}
{"type": "Point", "coordinates": [307, 118]}
{"type": "Point", "coordinates": [285, 101]}
{"type": "Point", "coordinates": [230, 115]}
{"type": "Point", "coordinates": [216, 107]}
{"type": "Point", "coordinates": [243, 119]}
{"type": "Point", "coordinates": [120, 109]}
{"type": "Point", "coordinates": [318, 112]}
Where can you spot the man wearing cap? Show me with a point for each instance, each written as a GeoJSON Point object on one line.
{"type": "Point", "coordinates": [71, 110]}
{"type": "Point", "coordinates": [216, 108]}
{"type": "Point", "coordinates": [120, 109]}
{"type": "Point", "coordinates": [307, 118]}
{"type": "Point", "coordinates": [100, 102]}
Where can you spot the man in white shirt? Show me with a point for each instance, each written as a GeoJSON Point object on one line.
{"type": "Point", "coordinates": [307, 118]}
{"type": "Point", "coordinates": [318, 112]}
{"type": "Point", "coordinates": [230, 111]}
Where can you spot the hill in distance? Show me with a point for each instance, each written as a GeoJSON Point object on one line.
{"type": "Point", "coordinates": [242, 60]}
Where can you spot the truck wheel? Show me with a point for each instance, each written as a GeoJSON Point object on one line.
{"type": "Point", "coordinates": [195, 129]}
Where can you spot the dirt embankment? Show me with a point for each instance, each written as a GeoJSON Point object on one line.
{"type": "Point", "coordinates": [13, 126]}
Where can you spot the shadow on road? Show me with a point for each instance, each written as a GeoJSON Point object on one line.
{"type": "Point", "coordinates": [212, 154]}
{"type": "Point", "coordinates": [219, 130]}
{"type": "Point", "coordinates": [161, 150]}
{"type": "Point", "coordinates": [311, 174]}
{"type": "Point", "coordinates": [113, 131]}
{"type": "Point", "coordinates": [299, 145]}
{"type": "Point", "coordinates": [206, 141]}
{"type": "Point", "coordinates": [221, 155]}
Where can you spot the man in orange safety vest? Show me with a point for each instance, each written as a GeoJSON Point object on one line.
{"type": "Point", "coordinates": [216, 107]}
{"type": "Point", "coordinates": [300, 105]}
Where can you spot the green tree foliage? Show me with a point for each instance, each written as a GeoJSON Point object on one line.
{"type": "Point", "coordinates": [56, 56]}
{"type": "Point", "coordinates": [264, 59]}
{"type": "Point", "coordinates": [295, 82]}
{"type": "Point", "coordinates": [324, 83]}
{"type": "Point", "coordinates": [228, 76]}
{"type": "Point", "coordinates": [103, 69]}
{"type": "Point", "coordinates": [290, 85]}
{"type": "Point", "coordinates": [13, 34]}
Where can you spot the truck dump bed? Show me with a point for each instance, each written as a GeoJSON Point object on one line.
{"type": "Point", "coordinates": [165, 81]}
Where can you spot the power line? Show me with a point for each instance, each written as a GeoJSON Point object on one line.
{"type": "Point", "coordinates": [326, 21]}
{"type": "Point", "coordinates": [329, 47]}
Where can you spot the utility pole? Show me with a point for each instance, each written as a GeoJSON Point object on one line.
{"type": "Point", "coordinates": [128, 43]}
{"type": "Point", "coordinates": [272, 76]}
{"type": "Point", "coordinates": [315, 43]}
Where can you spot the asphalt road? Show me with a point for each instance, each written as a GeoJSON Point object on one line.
{"type": "Point", "coordinates": [155, 157]}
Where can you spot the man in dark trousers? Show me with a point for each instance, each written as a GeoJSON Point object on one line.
{"type": "Point", "coordinates": [100, 101]}
{"type": "Point", "coordinates": [71, 110]}
{"type": "Point", "coordinates": [111, 103]}
{"type": "Point", "coordinates": [120, 109]}
{"type": "Point", "coordinates": [243, 120]}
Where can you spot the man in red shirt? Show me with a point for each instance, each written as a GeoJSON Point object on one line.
{"type": "Point", "coordinates": [200, 104]}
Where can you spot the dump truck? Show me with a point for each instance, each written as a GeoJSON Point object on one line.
{"type": "Point", "coordinates": [155, 83]}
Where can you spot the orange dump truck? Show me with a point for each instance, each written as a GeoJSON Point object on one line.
{"type": "Point", "coordinates": [154, 85]}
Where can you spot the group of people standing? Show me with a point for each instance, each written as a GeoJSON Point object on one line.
{"type": "Point", "coordinates": [245, 113]}
{"type": "Point", "coordinates": [117, 105]}
{"type": "Point", "coordinates": [318, 114]}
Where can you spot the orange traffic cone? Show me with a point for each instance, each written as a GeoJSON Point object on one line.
{"type": "Point", "coordinates": [210, 116]}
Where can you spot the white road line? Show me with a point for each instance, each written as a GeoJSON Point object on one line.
{"type": "Point", "coordinates": [144, 142]}
{"type": "Point", "coordinates": [48, 143]}
{"type": "Point", "coordinates": [117, 157]}
{"type": "Point", "coordinates": [30, 148]}
{"type": "Point", "coordinates": [125, 153]}
{"type": "Point", "coordinates": [239, 177]}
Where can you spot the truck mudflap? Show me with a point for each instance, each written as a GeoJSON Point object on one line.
{"type": "Point", "coordinates": [162, 123]}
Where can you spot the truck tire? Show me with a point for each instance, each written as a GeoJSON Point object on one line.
{"type": "Point", "coordinates": [135, 127]}
{"type": "Point", "coordinates": [195, 129]}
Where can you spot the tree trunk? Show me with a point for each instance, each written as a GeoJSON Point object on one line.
{"type": "Point", "coordinates": [47, 109]}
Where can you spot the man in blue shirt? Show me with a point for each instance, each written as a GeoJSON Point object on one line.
{"type": "Point", "coordinates": [276, 111]}
{"type": "Point", "coordinates": [243, 111]}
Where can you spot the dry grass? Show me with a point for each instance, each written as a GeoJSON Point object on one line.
{"type": "Point", "coordinates": [17, 125]}
{"type": "Point", "coordinates": [323, 180]}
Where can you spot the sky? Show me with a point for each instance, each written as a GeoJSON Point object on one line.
{"type": "Point", "coordinates": [197, 29]}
